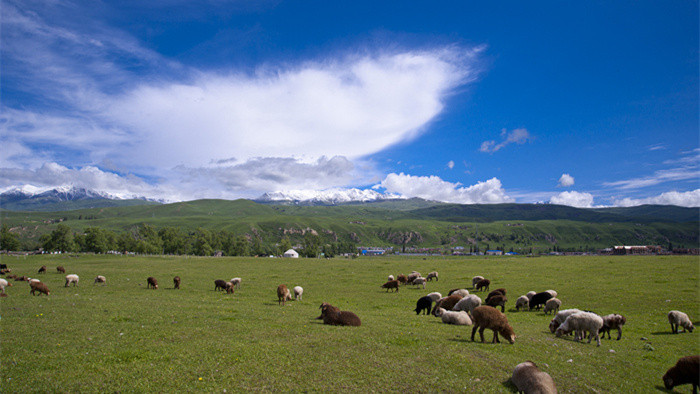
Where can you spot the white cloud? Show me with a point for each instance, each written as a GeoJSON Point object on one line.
{"type": "Point", "coordinates": [517, 136]}
{"type": "Point", "coordinates": [689, 199]}
{"type": "Point", "coordinates": [451, 164]}
{"type": "Point", "coordinates": [660, 176]}
{"type": "Point", "coordinates": [436, 189]}
{"type": "Point", "coordinates": [566, 180]}
{"type": "Point", "coordinates": [573, 199]}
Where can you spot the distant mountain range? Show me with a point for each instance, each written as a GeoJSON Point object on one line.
{"type": "Point", "coordinates": [28, 198]}
{"type": "Point", "coordinates": [325, 197]}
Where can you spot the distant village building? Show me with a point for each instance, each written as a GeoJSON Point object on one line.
{"type": "Point", "coordinates": [637, 249]}
{"type": "Point", "coordinates": [291, 253]}
{"type": "Point", "coordinates": [373, 252]}
{"type": "Point", "coordinates": [494, 252]}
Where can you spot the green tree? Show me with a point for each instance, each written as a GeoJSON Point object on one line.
{"type": "Point", "coordinates": [284, 245]}
{"type": "Point", "coordinates": [241, 246]}
{"type": "Point", "coordinates": [311, 245]}
{"type": "Point", "coordinates": [96, 240]}
{"type": "Point", "coordinates": [60, 239]}
{"type": "Point", "coordinates": [201, 242]}
{"type": "Point", "coordinates": [8, 240]}
{"type": "Point", "coordinates": [257, 247]}
{"type": "Point", "coordinates": [174, 241]}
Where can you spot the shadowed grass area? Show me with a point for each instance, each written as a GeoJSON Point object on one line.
{"type": "Point", "coordinates": [124, 337]}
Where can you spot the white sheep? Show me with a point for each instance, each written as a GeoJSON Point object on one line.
{"type": "Point", "coordinates": [560, 317]}
{"type": "Point", "coordinates": [678, 318]}
{"type": "Point", "coordinates": [552, 292]}
{"type": "Point", "coordinates": [435, 296]}
{"type": "Point", "coordinates": [581, 323]}
{"type": "Point", "coordinates": [419, 281]}
{"type": "Point", "coordinates": [468, 303]}
{"type": "Point", "coordinates": [4, 283]}
{"type": "Point", "coordinates": [460, 318]}
{"type": "Point", "coordinates": [552, 305]}
{"type": "Point", "coordinates": [390, 278]}
{"type": "Point", "coordinates": [476, 280]}
{"type": "Point", "coordinates": [298, 291]}
{"type": "Point", "coordinates": [33, 280]}
{"type": "Point", "coordinates": [72, 278]}
{"type": "Point", "coordinates": [461, 292]}
{"type": "Point", "coordinates": [100, 279]}
{"type": "Point", "coordinates": [530, 294]}
{"type": "Point", "coordinates": [236, 282]}
{"type": "Point", "coordinates": [529, 379]}
{"type": "Point", "coordinates": [432, 275]}
{"type": "Point", "coordinates": [522, 302]}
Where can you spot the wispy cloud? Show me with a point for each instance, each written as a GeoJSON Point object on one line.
{"type": "Point", "coordinates": [517, 136]}
{"type": "Point", "coordinates": [436, 189]}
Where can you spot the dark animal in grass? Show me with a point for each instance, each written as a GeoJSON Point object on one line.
{"type": "Point", "coordinates": [423, 304]}
{"type": "Point", "coordinates": [529, 379]}
{"type": "Point", "coordinates": [22, 279]}
{"type": "Point", "coordinates": [42, 270]}
{"type": "Point", "coordinates": [411, 277]}
{"type": "Point", "coordinates": [220, 284]}
{"type": "Point", "coordinates": [38, 286]}
{"type": "Point", "coordinates": [498, 300]}
{"type": "Point", "coordinates": [402, 279]}
{"type": "Point", "coordinates": [60, 269]}
{"type": "Point", "coordinates": [335, 317]}
{"type": "Point", "coordinates": [283, 294]}
{"type": "Point", "coordinates": [230, 288]}
{"type": "Point", "coordinates": [484, 317]}
{"type": "Point", "coordinates": [176, 282]}
{"type": "Point", "coordinates": [392, 284]}
{"type": "Point", "coordinates": [3, 266]}
{"type": "Point", "coordinates": [539, 299]}
{"type": "Point", "coordinates": [613, 322]}
{"type": "Point", "coordinates": [446, 303]}
{"type": "Point", "coordinates": [686, 371]}
{"type": "Point", "coordinates": [493, 293]}
{"type": "Point", "coordinates": [483, 285]}
{"type": "Point", "coordinates": [100, 279]}
{"type": "Point", "coordinates": [151, 282]}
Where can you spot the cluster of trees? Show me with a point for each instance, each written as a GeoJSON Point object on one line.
{"type": "Point", "coordinates": [146, 239]}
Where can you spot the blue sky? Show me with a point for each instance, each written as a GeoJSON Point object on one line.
{"type": "Point", "coordinates": [584, 104]}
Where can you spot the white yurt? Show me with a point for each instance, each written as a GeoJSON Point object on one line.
{"type": "Point", "coordinates": [291, 253]}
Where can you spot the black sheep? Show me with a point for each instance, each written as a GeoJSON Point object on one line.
{"type": "Point", "coordinates": [686, 371]}
{"type": "Point", "coordinates": [220, 284]}
{"type": "Point", "coordinates": [498, 300]}
{"type": "Point", "coordinates": [483, 285]}
{"type": "Point", "coordinates": [539, 299]}
{"type": "Point", "coordinates": [495, 292]}
{"type": "Point", "coordinates": [424, 303]}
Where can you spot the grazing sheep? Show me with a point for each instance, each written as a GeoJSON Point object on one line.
{"type": "Point", "coordinates": [176, 282]}
{"type": "Point", "coordinates": [613, 322]}
{"type": "Point", "coordinates": [678, 318]}
{"type": "Point", "coordinates": [236, 282]}
{"type": "Point", "coordinates": [468, 303]}
{"type": "Point", "coordinates": [220, 284]}
{"type": "Point", "coordinates": [476, 280]}
{"type": "Point", "coordinates": [432, 275]}
{"type": "Point", "coordinates": [390, 278]}
{"type": "Point", "coordinates": [446, 303]}
{"type": "Point", "coordinates": [686, 371]}
{"type": "Point", "coordinates": [230, 288]}
{"type": "Point", "coordinates": [72, 278]}
{"type": "Point", "coordinates": [22, 278]}
{"type": "Point", "coordinates": [529, 379]}
{"type": "Point", "coordinates": [152, 283]}
{"type": "Point", "coordinates": [552, 292]}
{"type": "Point", "coordinates": [11, 276]}
{"type": "Point", "coordinates": [483, 285]}
{"type": "Point", "coordinates": [424, 304]}
{"type": "Point", "coordinates": [530, 294]}
{"type": "Point", "coordinates": [522, 302]}
{"type": "Point", "coordinates": [495, 292]}
{"type": "Point", "coordinates": [539, 299]}
{"type": "Point", "coordinates": [4, 283]}
{"type": "Point", "coordinates": [460, 318]}
{"type": "Point", "coordinates": [100, 279]}
{"type": "Point", "coordinates": [38, 286]}
{"type": "Point", "coordinates": [498, 300]}
{"type": "Point", "coordinates": [42, 270]}
{"type": "Point", "coordinates": [486, 317]}
{"type": "Point", "coordinates": [392, 284]}
{"type": "Point", "coordinates": [461, 292]}
{"type": "Point", "coordinates": [435, 296]}
{"type": "Point", "coordinates": [283, 294]}
{"type": "Point", "coordinates": [335, 317]}
{"type": "Point", "coordinates": [60, 269]}
{"type": "Point", "coordinates": [298, 291]}
{"type": "Point", "coordinates": [402, 279]}
{"type": "Point", "coordinates": [418, 282]}
{"type": "Point", "coordinates": [412, 276]}
{"type": "Point", "coordinates": [560, 317]}
{"type": "Point", "coordinates": [552, 305]}
{"type": "Point", "coordinates": [581, 323]}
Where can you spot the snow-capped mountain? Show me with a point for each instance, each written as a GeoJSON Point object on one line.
{"type": "Point", "coordinates": [326, 197]}
{"type": "Point", "coordinates": [31, 198]}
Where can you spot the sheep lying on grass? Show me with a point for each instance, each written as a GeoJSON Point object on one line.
{"type": "Point", "coordinates": [460, 318]}
{"type": "Point", "coordinates": [529, 379]}
{"type": "Point", "coordinates": [581, 323]}
{"type": "Point", "coordinates": [678, 318]}
{"type": "Point", "coordinates": [333, 316]}
{"type": "Point", "coordinates": [446, 303]}
{"type": "Point", "coordinates": [485, 317]}
{"type": "Point", "coordinates": [283, 294]}
{"type": "Point", "coordinates": [298, 291]}
{"type": "Point", "coordinates": [613, 322]}
{"type": "Point", "coordinates": [521, 303]}
{"type": "Point", "coordinates": [467, 303]}
{"type": "Point", "coordinates": [72, 278]}
{"type": "Point", "coordinates": [686, 371]}
{"type": "Point", "coordinates": [552, 305]}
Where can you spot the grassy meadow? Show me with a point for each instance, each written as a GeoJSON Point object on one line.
{"type": "Point", "coordinates": [124, 337]}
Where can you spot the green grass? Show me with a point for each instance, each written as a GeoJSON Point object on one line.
{"type": "Point", "coordinates": [123, 337]}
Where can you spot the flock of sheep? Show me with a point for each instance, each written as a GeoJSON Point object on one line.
{"type": "Point", "coordinates": [459, 307]}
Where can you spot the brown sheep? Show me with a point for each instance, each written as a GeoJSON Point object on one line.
{"type": "Point", "coordinates": [392, 284]}
{"type": "Point", "coordinates": [219, 284]}
{"type": "Point", "coordinates": [42, 270]}
{"type": "Point", "coordinates": [402, 279]}
{"type": "Point", "coordinates": [483, 285]}
{"type": "Point", "coordinates": [529, 379]}
{"type": "Point", "coordinates": [152, 283]}
{"type": "Point", "coordinates": [230, 288]}
{"type": "Point", "coordinates": [411, 277]}
{"type": "Point", "coordinates": [335, 317]}
{"type": "Point", "coordinates": [283, 294]}
{"type": "Point", "coordinates": [485, 317]}
{"type": "Point", "coordinates": [613, 322]}
{"type": "Point", "coordinates": [61, 270]}
{"type": "Point", "coordinates": [446, 303]}
{"type": "Point", "coordinates": [38, 286]}
{"type": "Point", "coordinates": [21, 279]}
{"type": "Point", "coordinates": [176, 282]}
{"type": "Point", "coordinates": [495, 292]}
{"type": "Point", "coordinates": [686, 371]}
{"type": "Point", "coordinates": [498, 300]}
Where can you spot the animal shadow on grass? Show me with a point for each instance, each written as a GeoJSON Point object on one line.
{"type": "Point", "coordinates": [509, 385]}
{"type": "Point", "coordinates": [667, 332]}
{"type": "Point", "coordinates": [663, 389]}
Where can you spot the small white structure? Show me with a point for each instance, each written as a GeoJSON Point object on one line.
{"type": "Point", "coordinates": [291, 253]}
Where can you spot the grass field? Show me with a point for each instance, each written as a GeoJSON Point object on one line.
{"type": "Point", "coordinates": [123, 337]}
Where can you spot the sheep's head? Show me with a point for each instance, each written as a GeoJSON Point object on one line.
{"type": "Point", "coordinates": [691, 327]}
{"type": "Point", "coordinates": [155, 287]}
{"type": "Point", "coordinates": [553, 325]}
{"type": "Point", "coordinates": [439, 312]}
{"type": "Point", "coordinates": [508, 334]}
{"type": "Point", "coordinates": [560, 331]}
{"type": "Point", "coordinates": [668, 381]}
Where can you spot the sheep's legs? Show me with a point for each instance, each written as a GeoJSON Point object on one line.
{"type": "Point", "coordinates": [474, 332]}
{"type": "Point", "coordinates": [481, 334]}
{"type": "Point", "coordinates": [619, 333]}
